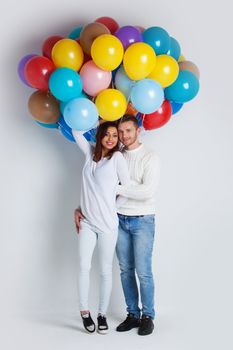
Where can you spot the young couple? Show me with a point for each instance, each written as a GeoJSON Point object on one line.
{"type": "Point", "coordinates": [117, 210]}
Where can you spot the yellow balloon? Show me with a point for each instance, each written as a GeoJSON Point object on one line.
{"type": "Point", "coordinates": [107, 52]}
{"type": "Point", "coordinates": [139, 61]}
{"type": "Point", "coordinates": [111, 104]}
{"type": "Point", "coordinates": [181, 58]}
{"type": "Point", "coordinates": [166, 70]}
{"type": "Point", "coordinates": [67, 53]}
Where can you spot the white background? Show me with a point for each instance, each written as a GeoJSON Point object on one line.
{"type": "Point", "coordinates": [40, 186]}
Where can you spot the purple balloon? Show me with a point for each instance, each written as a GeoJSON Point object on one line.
{"type": "Point", "coordinates": [128, 35]}
{"type": "Point", "coordinates": [21, 66]}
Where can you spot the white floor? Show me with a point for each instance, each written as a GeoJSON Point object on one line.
{"type": "Point", "coordinates": [173, 331]}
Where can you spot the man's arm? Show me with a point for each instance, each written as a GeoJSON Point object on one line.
{"type": "Point", "coordinates": [149, 184]}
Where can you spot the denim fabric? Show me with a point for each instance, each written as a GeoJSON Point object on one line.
{"type": "Point", "coordinates": [89, 238]}
{"type": "Point", "coordinates": [134, 251]}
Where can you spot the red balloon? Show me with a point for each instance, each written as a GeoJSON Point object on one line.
{"type": "Point", "coordinates": [37, 72]}
{"type": "Point", "coordinates": [49, 44]}
{"type": "Point", "coordinates": [158, 118]}
{"type": "Point", "coordinates": [109, 22]}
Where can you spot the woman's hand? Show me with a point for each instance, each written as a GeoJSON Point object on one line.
{"type": "Point", "coordinates": [78, 216]}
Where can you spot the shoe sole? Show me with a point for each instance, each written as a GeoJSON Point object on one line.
{"type": "Point", "coordinates": [126, 330]}
{"type": "Point", "coordinates": [103, 332]}
{"type": "Point", "coordinates": [146, 333]}
{"type": "Point", "coordinates": [86, 331]}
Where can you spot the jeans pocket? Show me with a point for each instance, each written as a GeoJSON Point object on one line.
{"type": "Point", "coordinates": [149, 219]}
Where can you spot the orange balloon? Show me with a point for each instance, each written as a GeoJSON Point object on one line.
{"type": "Point", "coordinates": [131, 110]}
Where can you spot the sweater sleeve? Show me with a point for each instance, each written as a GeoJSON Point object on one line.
{"type": "Point", "coordinates": [82, 142]}
{"type": "Point", "coordinates": [149, 184]}
{"type": "Point", "coordinates": [123, 177]}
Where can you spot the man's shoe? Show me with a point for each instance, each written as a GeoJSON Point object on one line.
{"type": "Point", "coordinates": [129, 323]}
{"type": "Point", "coordinates": [146, 325]}
{"type": "Point", "coordinates": [102, 327]}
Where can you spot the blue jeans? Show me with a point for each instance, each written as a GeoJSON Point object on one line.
{"type": "Point", "coordinates": [134, 251]}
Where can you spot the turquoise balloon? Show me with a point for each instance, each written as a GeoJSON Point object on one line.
{"type": "Point", "coordinates": [123, 83]}
{"type": "Point", "coordinates": [48, 126]}
{"type": "Point", "coordinates": [158, 38]}
{"type": "Point", "coordinates": [63, 104]}
{"type": "Point", "coordinates": [65, 84]}
{"type": "Point", "coordinates": [81, 114]}
{"type": "Point", "coordinates": [75, 33]}
{"type": "Point", "coordinates": [147, 96]}
{"type": "Point", "coordinates": [184, 89]}
{"type": "Point", "coordinates": [174, 49]}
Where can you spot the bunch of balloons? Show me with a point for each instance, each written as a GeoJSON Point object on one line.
{"type": "Point", "coordinates": [102, 71]}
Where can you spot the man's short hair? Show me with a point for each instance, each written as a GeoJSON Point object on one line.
{"type": "Point", "coordinates": [129, 118]}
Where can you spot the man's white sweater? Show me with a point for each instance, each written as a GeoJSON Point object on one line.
{"type": "Point", "coordinates": [144, 171]}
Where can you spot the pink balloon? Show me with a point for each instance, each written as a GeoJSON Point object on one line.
{"type": "Point", "coordinates": [94, 79]}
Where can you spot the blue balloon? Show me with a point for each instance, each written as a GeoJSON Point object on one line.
{"type": "Point", "coordinates": [184, 89]}
{"type": "Point", "coordinates": [158, 38]}
{"type": "Point", "coordinates": [48, 126]}
{"type": "Point", "coordinates": [123, 82]}
{"type": "Point", "coordinates": [63, 104]}
{"type": "Point", "coordinates": [90, 135]}
{"type": "Point", "coordinates": [65, 84]}
{"type": "Point", "coordinates": [65, 129]}
{"type": "Point", "coordinates": [147, 96]}
{"type": "Point", "coordinates": [81, 114]}
{"type": "Point", "coordinates": [174, 49]}
{"type": "Point", "coordinates": [139, 119]}
{"type": "Point", "coordinates": [68, 134]}
{"type": "Point", "coordinates": [75, 33]}
{"type": "Point", "coordinates": [176, 107]}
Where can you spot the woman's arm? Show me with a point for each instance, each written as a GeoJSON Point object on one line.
{"type": "Point", "coordinates": [82, 142]}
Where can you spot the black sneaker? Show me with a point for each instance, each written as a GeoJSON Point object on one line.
{"type": "Point", "coordinates": [129, 323]}
{"type": "Point", "coordinates": [102, 325]}
{"type": "Point", "coordinates": [88, 323]}
{"type": "Point", "coordinates": [146, 325]}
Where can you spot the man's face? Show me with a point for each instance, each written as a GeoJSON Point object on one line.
{"type": "Point", "coordinates": [128, 133]}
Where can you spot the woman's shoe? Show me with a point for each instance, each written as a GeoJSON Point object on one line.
{"type": "Point", "coordinates": [102, 327]}
{"type": "Point", "coordinates": [88, 323]}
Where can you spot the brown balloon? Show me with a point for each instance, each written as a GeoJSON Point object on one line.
{"type": "Point", "coordinates": [44, 107]}
{"type": "Point", "coordinates": [191, 67]}
{"type": "Point", "coordinates": [89, 33]}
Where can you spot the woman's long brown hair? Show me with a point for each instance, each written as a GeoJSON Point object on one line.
{"type": "Point", "coordinates": [101, 132]}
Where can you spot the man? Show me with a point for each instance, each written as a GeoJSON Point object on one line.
{"type": "Point", "coordinates": [136, 228]}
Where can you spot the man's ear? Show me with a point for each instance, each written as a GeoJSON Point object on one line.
{"type": "Point", "coordinates": [139, 130]}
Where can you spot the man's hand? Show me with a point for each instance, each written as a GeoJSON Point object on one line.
{"type": "Point", "coordinates": [78, 216]}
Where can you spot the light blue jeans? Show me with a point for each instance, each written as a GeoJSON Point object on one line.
{"type": "Point", "coordinates": [90, 237]}
{"type": "Point", "coordinates": [134, 251]}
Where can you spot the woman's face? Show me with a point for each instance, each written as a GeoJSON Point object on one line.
{"type": "Point", "coordinates": [110, 140]}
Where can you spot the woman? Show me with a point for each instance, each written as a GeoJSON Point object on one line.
{"type": "Point", "coordinates": [104, 168]}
